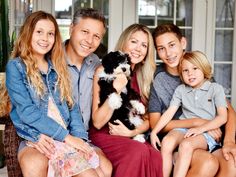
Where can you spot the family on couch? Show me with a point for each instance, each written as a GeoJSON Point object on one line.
{"type": "Point", "coordinates": [54, 95]}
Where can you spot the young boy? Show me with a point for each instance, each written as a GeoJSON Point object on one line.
{"type": "Point", "coordinates": [198, 97]}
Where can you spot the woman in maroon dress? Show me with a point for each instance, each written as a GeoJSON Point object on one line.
{"type": "Point", "coordinates": [129, 158]}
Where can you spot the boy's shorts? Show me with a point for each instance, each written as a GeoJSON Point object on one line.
{"type": "Point", "coordinates": [211, 142]}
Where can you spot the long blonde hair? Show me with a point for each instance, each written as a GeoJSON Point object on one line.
{"type": "Point", "coordinates": [23, 49]}
{"type": "Point", "coordinates": [144, 70]}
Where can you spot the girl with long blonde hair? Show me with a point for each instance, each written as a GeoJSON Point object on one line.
{"type": "Point", "coordinates": [43, 111]}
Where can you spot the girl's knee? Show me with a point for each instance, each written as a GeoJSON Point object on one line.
{"type": "Point", "coordinates": [33, 163]}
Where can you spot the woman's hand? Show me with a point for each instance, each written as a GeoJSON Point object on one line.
{"type": "Point", "coordinates": [120, 129]}
{"type": "Point", "coordinates": [45, 145]}
{"type": "Point", "coordinates": [120, 82]}
{"type": "Point", "coordinates": [229, 149]}
{"type": "Point", "coordinates": [79, 144]}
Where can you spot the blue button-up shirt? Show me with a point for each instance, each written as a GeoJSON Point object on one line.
{"type": "Point", "coordinates": [82, 85]}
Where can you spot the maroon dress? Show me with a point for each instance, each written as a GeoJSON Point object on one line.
{"type": "Point", "coordinates": [129, 158]}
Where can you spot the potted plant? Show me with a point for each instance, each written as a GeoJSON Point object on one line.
{"type": "Point", "coordinates": [4, 35]}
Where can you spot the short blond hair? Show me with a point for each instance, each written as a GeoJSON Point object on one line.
{"type": "Point", "coordinates": [198, 59]}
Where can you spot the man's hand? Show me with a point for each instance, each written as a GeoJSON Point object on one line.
{"type": "Point", "coordinates": [229, 149]}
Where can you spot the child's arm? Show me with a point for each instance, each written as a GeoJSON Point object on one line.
{"type": "Point", "coordinates": [165, 118]}
{"type": "Point", "coordinates": [218, 121]}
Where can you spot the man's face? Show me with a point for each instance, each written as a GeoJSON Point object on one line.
{"type": "Point", "coordinates": [85, 36]}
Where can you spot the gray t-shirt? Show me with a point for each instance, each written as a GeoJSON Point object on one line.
{"type": "Point", "coordinates": [201, 102]}
{"type": "Point", "coordinates": [162, 90]}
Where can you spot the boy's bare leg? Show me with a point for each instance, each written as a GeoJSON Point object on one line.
{"type": "Point", "coordinates": [168, 145]}
{"type": "Point", "coordinates": [184, 159]}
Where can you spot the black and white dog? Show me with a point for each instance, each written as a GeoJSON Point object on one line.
{"type": "Point", "coordinates": [127, 106]}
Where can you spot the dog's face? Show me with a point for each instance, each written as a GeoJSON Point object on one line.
{"type": "Point", "coordinates": [116, 62]}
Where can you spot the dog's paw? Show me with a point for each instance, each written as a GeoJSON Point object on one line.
{"type": "Point", "coordinates": [114, 101]}
{"type": "Point", "coordinates": [138, 106]}
{"type": "Point", "coordinates": [140, 138]}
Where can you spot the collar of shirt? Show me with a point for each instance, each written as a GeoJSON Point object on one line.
{"type": "Point", "coordinates": [88, 60]}
{"type": "Point", "coordinates": [205, 86]}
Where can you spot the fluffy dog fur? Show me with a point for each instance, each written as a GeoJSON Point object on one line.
{"type": "Point", "coordinates": [127, 106]}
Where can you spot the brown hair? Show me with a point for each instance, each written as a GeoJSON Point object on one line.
{"type": "Point", "coordinates": [167, 28]}
{"type": "Point", "coordinates": [88, 13]}
{"type": "Point", "coordinates": [23, 49]}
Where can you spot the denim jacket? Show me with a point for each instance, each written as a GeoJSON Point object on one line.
{"type": "Point", "coordinates": [29, 111]}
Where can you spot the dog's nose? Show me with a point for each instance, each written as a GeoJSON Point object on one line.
{"type": "Point", "coordinates": [123, 69]}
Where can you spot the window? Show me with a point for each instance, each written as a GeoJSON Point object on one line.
{"type": "Point", "coordinates": [209, 27]}
{"type": "Point", "coordinates": [156, 12]}
{"type": "Point", "coordinates": [223, 45]}
{"type": "Point", "coordinates": [21, 9]}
